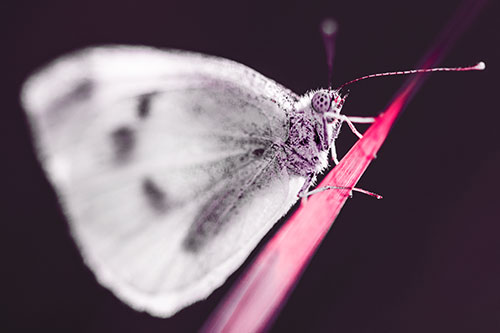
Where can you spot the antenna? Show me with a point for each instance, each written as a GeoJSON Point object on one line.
{"type": "Point", "coordinates": [478, 67]}
{"type": "Point", "coordinates": [328, 30]}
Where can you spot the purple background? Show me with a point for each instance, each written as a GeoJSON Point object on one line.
{"type": "Point", "coordinates": [424, 259]}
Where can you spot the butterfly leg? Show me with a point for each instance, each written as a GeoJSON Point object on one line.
{"type": "Point", "coordinates": [307, 184]}
{"type": "Point", "coordinates": [361, 120]}
{"type": "Point", "coordinates": [351, 120]}
{"type": "Point", "coordinates": [352, 127]}
{"type": "Point", "coordinates": [333, 150]}
{"type": "Point", "coordinates": [325, 188]}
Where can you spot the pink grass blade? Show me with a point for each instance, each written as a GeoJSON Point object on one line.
{"type": "Point", "coordinates": [258, 296]}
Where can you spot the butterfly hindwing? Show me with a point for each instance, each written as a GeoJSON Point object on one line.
{"type": "Point", "coordinates": [165, 163]}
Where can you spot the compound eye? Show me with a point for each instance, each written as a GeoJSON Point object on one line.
{"type": "Point", "coordinates": [321, 101]}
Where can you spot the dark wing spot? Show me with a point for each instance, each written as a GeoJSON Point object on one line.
{"type": "Point", "coordinates": [123, 140]}
{"type": "Point", "coordinates": [197, 109]}
{"type": "Point", "coordinates": [258, 152]}
{"type": "Point", "coordinates": [155, 196]}
{"type": "Point", "coordinates": [83, 89]}
{"type": "Point", "coordinates": [212, 217]}
{"type": "Point", "coordinates": [144, 106]}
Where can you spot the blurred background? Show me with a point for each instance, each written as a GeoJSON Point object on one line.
{"type": "Point", "coordinates": [426, 258]}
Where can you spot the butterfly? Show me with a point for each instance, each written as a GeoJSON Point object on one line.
{"type": "Point", "coordinates": [171, 166]}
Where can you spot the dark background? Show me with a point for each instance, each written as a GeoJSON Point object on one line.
{"type": "Point", "coordinates": [424, 259]}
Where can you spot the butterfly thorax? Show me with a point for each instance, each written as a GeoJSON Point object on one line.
{"type": "Point", "coordinates": [307, 145]}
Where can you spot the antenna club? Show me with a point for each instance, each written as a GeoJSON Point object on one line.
{"type": "Point", "coordinates": [480, 66]}
{"type": "Point", "coordinates": [329, 27]}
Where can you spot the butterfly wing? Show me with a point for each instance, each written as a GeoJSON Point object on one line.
{"type": "Point", "coordinates": [166, 163]}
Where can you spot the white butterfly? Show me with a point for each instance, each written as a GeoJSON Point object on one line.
{"type": "Point", "coordinates": [171, 166]}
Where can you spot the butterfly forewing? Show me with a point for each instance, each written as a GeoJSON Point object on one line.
{"type": "Point", "coordinates": [165, 163]}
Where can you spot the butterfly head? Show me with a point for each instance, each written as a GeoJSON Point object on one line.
{"type": "Point", "coordinates": [326, 102]}
{"type": "Point", "coordinates": [324, 106]}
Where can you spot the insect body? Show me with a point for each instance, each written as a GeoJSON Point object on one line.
{"type": "Point", "coordinates": [171, 166]}
{"type": "Point", "coordinates": [311, 134]}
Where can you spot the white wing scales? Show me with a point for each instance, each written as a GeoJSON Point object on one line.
{"type": "Point", "coordinates": [164, 164]}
